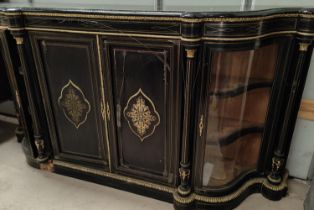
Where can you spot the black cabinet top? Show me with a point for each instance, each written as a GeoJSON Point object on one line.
{"type": "Point", "coordinates": [150, 7]}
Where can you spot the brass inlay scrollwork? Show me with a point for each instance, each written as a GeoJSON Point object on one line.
{"type": "Point", "coordinates": [103, 111]}
{"type": "Point", "coordinates": [277, 163]}
{"type": "Point", "coordinates": [74, 104]}
{"type": "Point", "coordinates": [184, 174]}
{"type": "Point", "coordinates": [141, 115]}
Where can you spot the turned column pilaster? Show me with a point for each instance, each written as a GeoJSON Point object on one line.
{"type": "Point", "coordinates": [185, 164]}
{"type": "Point", "coordinates": [41, 146]}
{"type": "Point", "coordinates": [300, 69]}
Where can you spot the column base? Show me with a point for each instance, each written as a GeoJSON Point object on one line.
{"type": "Point", "coordinates": [230, 201]}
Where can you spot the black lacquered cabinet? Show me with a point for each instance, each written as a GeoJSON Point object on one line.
{"type": "Point", "coordinates": [193, 108]}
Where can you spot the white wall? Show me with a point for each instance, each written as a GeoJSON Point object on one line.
{"type": "Point", "coordinates": [302, 146]}
{"type": "Point", "coordinates": [284, 3]}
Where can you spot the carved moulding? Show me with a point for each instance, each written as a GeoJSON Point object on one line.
{"type": "Point", "coordinates": [74, 104]}
{"type": "Point", "coordinates": [141, 115]}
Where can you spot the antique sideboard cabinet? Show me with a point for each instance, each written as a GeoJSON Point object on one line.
{"type": "Point", "coordinates": [194, 108]}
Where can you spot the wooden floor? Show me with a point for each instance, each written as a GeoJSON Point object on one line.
{"type": "Point", "coordinates": [25, 188]}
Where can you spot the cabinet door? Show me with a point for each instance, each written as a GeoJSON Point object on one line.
{"type": "Point", "coordinates": [69, 78]}
{"type": "Point", "coordinates": [234, 112]}
{"type": "Point", "coordinates": [145, 120]}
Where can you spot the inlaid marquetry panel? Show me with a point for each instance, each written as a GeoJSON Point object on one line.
{"type": "Point", "coordinates": [74, 104]}
{"type": "Point", "coordinates": [69, 79]}
{"type": "Point", "coordinates": [141, 115]}
{"type": "Point", "coordinates": [144, 132]}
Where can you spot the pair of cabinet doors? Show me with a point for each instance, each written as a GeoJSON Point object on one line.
{"type": "Point", "coordinates": [111, 104]}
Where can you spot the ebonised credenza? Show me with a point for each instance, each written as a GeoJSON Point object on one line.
{"type": "Point", "coordinates": [194, 108]}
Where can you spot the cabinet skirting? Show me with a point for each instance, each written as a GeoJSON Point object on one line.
{"type": "Point", "coordinates": [167, 193]}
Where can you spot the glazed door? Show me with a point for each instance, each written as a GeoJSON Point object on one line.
{"type": "Point", "coordinates": [70, 83]}
{"type": "Point", "coordinates": [235, 112]}
{"type": "Point", "coordinates": [143, 117]}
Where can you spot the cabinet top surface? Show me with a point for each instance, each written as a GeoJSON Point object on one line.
{"type": "Point", "coordinates": [167, 8]}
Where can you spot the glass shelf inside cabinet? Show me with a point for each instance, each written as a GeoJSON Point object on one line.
{"type": "Point", "coordinates": [238, 97]}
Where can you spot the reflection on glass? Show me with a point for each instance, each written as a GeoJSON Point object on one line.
{"type": "Point", "coordinates": [240, 85]}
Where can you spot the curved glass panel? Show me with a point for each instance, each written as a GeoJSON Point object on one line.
{"type": "Point", "coordinates": [238, 97]}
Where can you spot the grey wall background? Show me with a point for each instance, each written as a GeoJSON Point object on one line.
{"type": "Point", "coordinates": [301, 154]}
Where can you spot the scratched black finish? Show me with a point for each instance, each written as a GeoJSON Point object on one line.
{"type": "Point", "coordinates": [147, 66]}
{"type": "Point", "coordinates": [105, 26]}
{"type": "Point", "coordinates": [250, 29]}
{"type": "Point", "coordinates": [177, 90]}
{"type": "Point", "coordinates": [176, 27]}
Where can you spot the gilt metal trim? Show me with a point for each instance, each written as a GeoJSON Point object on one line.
{"type": "Point", "coordinates": [294, 32]}
{"type": "Point", "coordinates": [108, 111]}
{"type": "Point", "coordinates": [201, 125]}
{"type": "Point", "coordinates": [190, 53]}
{"type": "Point", "coordinates": [141, 115]}
{"type": "Point", "coordinates": [304, 46]}
{"type": "Point", "coordinates": [104, 109]}
{"type": "Point", "coordinates": [160, 18]}
{"type": "Point", "coordinates": [75, 106]}
{"type": "Point", "coordinates": [18, 99]}
{"type": "Point", "coordinates": [19, 40]}
{"type": "Point", "coordinates": [185, 200]}
{"type": "Point", "coordinates": [184, 174]}
{"type": "Point", "coordinates": [223, 199]}
{"type": "Point", "coordinates": [102, 173]}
